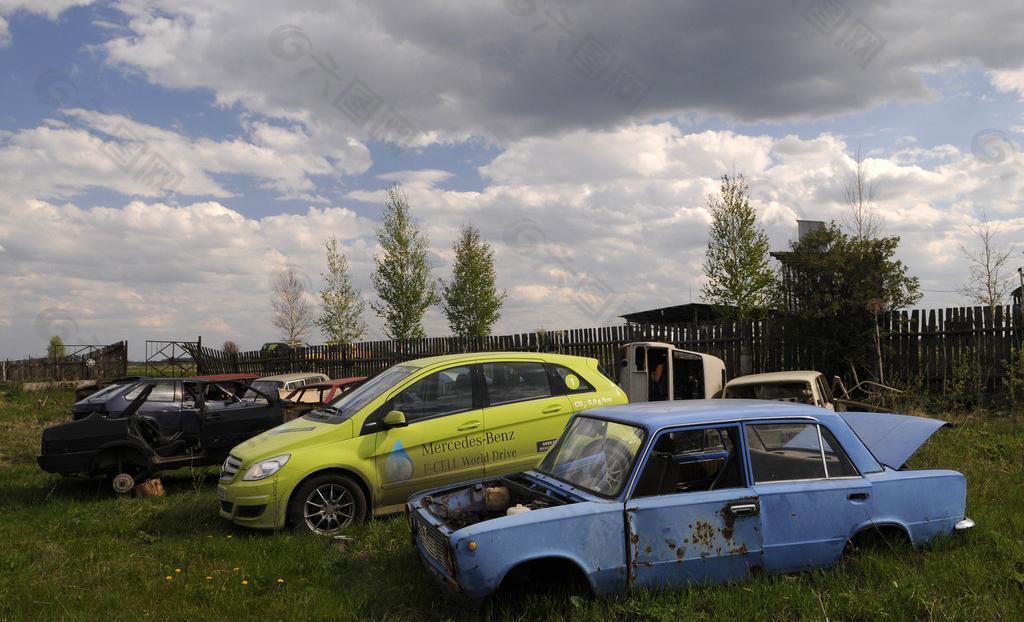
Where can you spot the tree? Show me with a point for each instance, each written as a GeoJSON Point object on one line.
{"type": "Point", "coordinates": [834, 287]}
{"type": "Point", "coordinates": [292, 312]}
{"type": "Point", "coordinates": [56, 348]}
{"type": "Point", "coordinates": [402, 275]}
{"type": "Point", "coordinates": [230, 347]}
{"type": "Point", "coordinates": [341, 317]}
{"type": "Point", "coordinates": [736, 259]}
{"type": "Point", "coordinates": [471, 301]}
{"type": "Point", "coordinates": [862, 220]}
{"type": "Point", "coordinates": [990, 277]}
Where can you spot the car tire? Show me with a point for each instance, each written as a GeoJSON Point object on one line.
{"type": "Point", "coordinates": [326, 505]}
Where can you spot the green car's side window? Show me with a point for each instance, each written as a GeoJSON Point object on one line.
{"type": "Point", "coordinates": [442, 393]}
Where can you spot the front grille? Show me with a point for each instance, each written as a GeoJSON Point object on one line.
{"type": "Point", "coordinates": [436, 545]}
{"type": "Point", "coordinates": [250, 511]}
{"type": "Point", "coordinates": [229, 468]}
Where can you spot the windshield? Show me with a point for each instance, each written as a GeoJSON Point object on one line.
{"type": "Point", "coordinates": [594, 455]}
{"type": "Point", "coordinates": [795, 391]}
{"type": "Point", "coordinates": [353, 401]}
{"type": "Point", "coordinates": [267, 387]}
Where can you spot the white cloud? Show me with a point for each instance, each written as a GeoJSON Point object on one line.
{"type": "Point", "coordinates": [579, 239]}
{"type": "Point", "coordinates": [91, 149]}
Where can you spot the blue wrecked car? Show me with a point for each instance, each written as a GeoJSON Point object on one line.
{"type": "Point", "coordinates": [674, 493]}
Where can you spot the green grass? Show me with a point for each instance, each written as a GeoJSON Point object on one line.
{"type": "Point", "coordinates": [70, 550]}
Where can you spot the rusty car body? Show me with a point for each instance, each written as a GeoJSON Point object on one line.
{"type": "Point", "coordinates": [317, 395]}
{"type": "Point", "coordinates": [674, 493]}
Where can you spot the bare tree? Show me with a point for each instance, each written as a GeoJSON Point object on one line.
{"type": "Point", "coordinates": [292, 312]}
{"type": "Point", "coordinates": [990, 279]}
{"type": "Point", "coordinates": [862, 220]}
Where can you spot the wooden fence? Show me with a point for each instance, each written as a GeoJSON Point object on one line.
{"type": "Point", "coordinates": [81, 362]}
{"type": "Point", "coordinates": [924, 347]}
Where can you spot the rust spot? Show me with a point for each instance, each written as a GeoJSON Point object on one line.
{"type": "Point", "coordinates": [679, 554]}
{"type": "Point", "coordinates": [703, 534]}
{"type": "Point", "coordinates": [740, 550]}
{"type": "Point", "coordinates": [671, 544]}
{"type": "Point", "coordinates": [647, 550]}
{"type": "Point", "coordinates": [730, 521]}
{"type": "Point", "coordinates": [634, 538]}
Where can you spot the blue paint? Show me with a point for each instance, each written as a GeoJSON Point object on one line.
{"type": "Point", "coordinates": [398, 467]}
{"type": "Point", "coordinates": [713, 535]}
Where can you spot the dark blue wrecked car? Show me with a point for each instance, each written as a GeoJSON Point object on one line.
{"type": "Point", "coordinates": [136, 429]}
{"type": "Point", "coordinates": [670, 494]}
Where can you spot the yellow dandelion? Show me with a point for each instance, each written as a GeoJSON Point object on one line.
{"type": "Point", "coordinates": [169, 578]}
{"type": "Point", "coordinates": [177, 570]}
{"type": "Point", "coordinates": [280, 580]}
{"type": "Point", "coordinates": [244, 582]}
{"type": "Point", "coordinates": [230, 536]}
{"type": "Point", "coordinates": [209, 578]}
{"type": "Point", "coordinates": [235, 568]}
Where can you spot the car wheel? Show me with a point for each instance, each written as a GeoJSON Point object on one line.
{"type": "Point", "coordinates": [326, 505]}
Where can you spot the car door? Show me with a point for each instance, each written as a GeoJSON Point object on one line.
{"type": "Point", "coordinates": [523, 417]}
{"type": "Point", "coordinates": [442, 440]}
{"type": "Point", "coordinates": [811, 494]}
{"type": "Point", "coordinates": [683, 531]}
{"type": "Point", "coordinates": [162, 406]}
{"type": "Point", "coordinates": [226, 423]}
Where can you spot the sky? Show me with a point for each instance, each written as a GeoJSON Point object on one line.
{"type": "Point", "coordinates": [161, 160]}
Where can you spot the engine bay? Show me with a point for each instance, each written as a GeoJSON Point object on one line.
{"type": "Point", "coordinates": [491, 499]}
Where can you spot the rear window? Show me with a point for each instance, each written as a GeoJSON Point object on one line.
{"type": "Point", "coordinates": [569, 382]}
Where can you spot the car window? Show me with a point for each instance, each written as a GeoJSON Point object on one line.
{"type": "Point", "coordinates": [692, 460]}
{"type": "Point", "coordinates": [784, 451]}
{"type": "Point", "coordinates": [789, 391]}
{"type": "Point", "coordinates": [515, 381]}
{"type": "Point", "coordinates": [569, 382]}
{"type": "Point", "coordinates": [442, 393]}
{"type": "Point", "coordinates": [836, 460]}
{"type": "Point", "coordinates": [594, 455]}
{"type": "Point", "coordinates": [162, 392]}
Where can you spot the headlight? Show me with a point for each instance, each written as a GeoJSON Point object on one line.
{"type": "Point", "coordinates": [265, 468]}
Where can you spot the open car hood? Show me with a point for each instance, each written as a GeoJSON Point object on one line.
{"type": "Point", "coordinates": [892, 438]}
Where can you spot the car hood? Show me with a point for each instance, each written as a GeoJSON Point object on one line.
{"type": "Point", "coordinates": [290, 436]}
{"type": "Point", "coordinates": [892, 438]}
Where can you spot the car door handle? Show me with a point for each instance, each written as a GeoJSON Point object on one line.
{"type": "Point", "coordinates": [743, 509]}
{"type": "Point", "coordinates": [858, 496]}
{"type": "Point", "coordinates": [550, 410]}
{"type": "Point", "coordinates": [469, 425]}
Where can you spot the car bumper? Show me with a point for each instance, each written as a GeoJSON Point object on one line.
{"type": "Point", "coordinates": [260, 505]}
{"type": "Point", "coordinates": [79, 462]}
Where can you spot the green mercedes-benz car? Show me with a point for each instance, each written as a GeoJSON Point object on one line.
{"type": "Point", "coordinates": [417, 425]}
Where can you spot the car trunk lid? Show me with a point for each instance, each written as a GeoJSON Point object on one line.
{"type": "Point", "coordinates": [893, 439]}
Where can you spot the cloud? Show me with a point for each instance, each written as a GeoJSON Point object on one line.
{"type": "Point", "coordinates": [446, 71]}
{"type": "Point", "coordinates": [50, 8]}
{"type": "Point", "coordinates": [89, 149]}
{"type": "Point", "coordinates": [579, 239]}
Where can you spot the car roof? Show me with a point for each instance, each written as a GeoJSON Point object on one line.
{"type": "Point", "coordinates": [657, 415]}
{"type": "Point", "coordinates": [474, 357]}
{"type": "Point", "coordinates": [289, 377]}
{"type": "Point", "coordinates": [336, 382]}
{"type": "Point", "coordinates": [776, 376]}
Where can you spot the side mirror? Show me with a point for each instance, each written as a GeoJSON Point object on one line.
{"type": "Point", "coordinates": [394, 419]}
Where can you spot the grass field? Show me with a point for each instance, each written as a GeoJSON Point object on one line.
{"type": "Point", "coordinates": [70, 550]}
